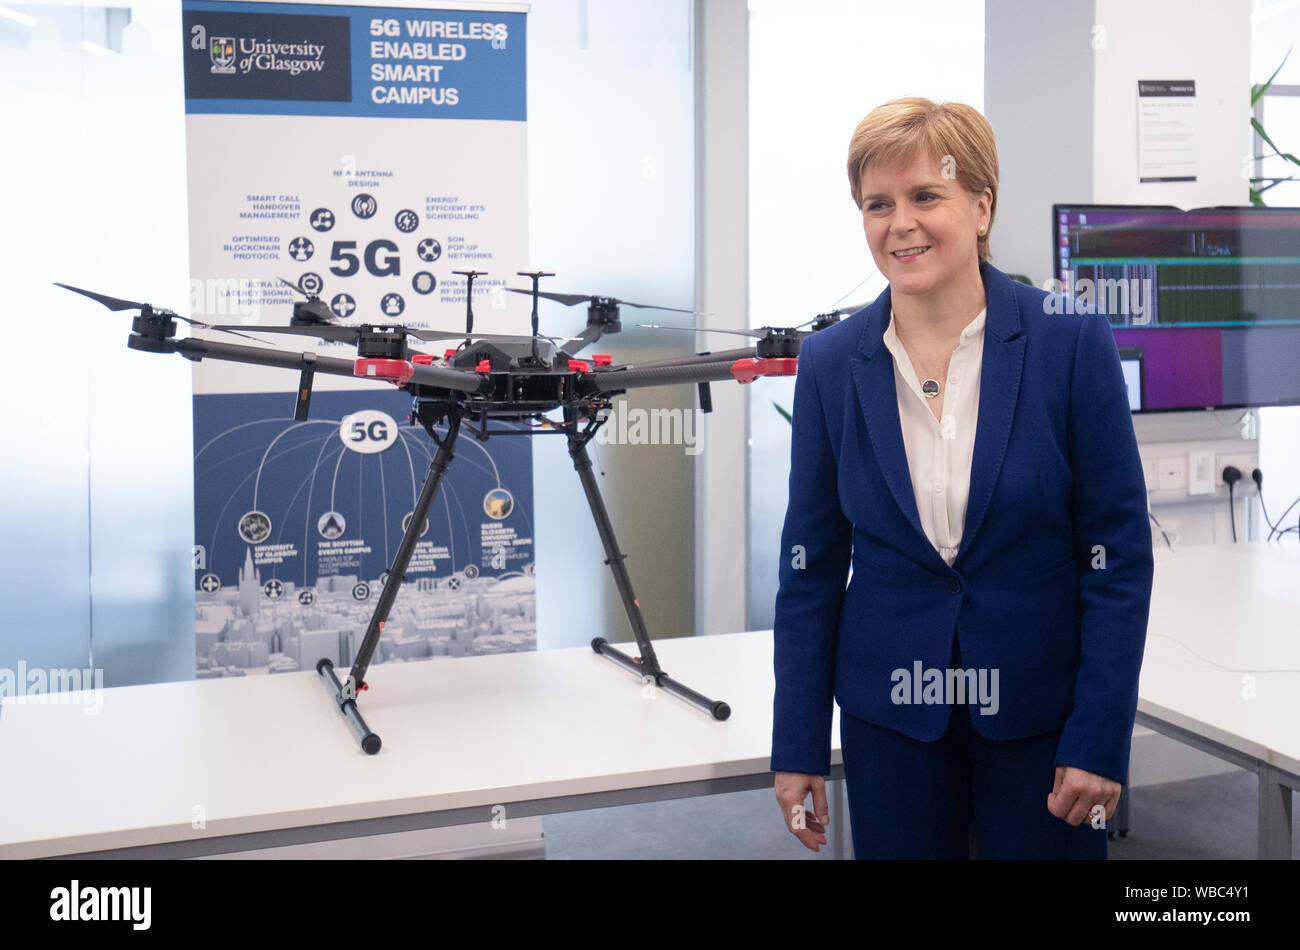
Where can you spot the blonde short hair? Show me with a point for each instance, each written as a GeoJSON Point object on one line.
{"type": "Point", "coordinates": [954, 134]}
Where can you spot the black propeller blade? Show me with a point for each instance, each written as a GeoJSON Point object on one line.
{"type": "Point", "coordinates": [299, 289]}
{"type": "Point", "coordinates": [351, 334]}
{"type": "Point", "coordinates": [761, 331]}
{"type": "Point", "coordinates": [570, 300]}
{"type": "Point", "coordinates": [116, 303]}
{"type": "Point", "coordinates": [112, 303]}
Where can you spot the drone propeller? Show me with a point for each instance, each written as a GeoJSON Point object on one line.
{"type": "Point", "coordinates": [571, 300]}
{"type": "Point", "coordinates": [823, 319]}
{"type": "Point", "coordinates": [351, 334]}
{"type": "Point", "coordinates": [299, 289]}
{"type": "Point", "coordinates": [116, 303]}
{"type": "Point", "coordinates": [112, 303]}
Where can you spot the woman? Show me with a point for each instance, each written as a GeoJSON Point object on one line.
{"type": "Point", "coordinates": [971, 456]}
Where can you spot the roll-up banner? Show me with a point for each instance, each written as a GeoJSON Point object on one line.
{"type": "Point", "coordinates": [361, 154]}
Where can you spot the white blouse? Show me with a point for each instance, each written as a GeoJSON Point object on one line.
{"type": "Point", "coordinates": [939, 451]}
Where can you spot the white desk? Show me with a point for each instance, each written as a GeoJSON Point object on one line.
{"type": "Point", "coordinates": [1237, 606]}
{"type": "Point", "coordinates": [272, 762]}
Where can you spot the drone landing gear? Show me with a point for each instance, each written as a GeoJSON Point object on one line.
{"type": "Point", "coordinates": [345, 693]}
{"type": "Point", "coordinates": [647, 665]}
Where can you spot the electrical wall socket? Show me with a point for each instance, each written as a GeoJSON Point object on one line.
{"type": "Point", "coordinates": [1244, 463]}
{"type": "Point", "coordinates": [1171, 474]}
{"type": "Point", "coordinates": [1202, 476]}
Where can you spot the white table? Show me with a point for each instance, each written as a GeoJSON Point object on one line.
{"type": "Point", "coordinates": [1218, 614]}
{"type": "Point", "coordinates": [271, 761]}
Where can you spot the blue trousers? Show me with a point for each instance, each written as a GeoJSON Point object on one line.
{"type": "Point", "coordinates": [910, 799]}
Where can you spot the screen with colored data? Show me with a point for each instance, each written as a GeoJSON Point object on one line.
{"type": "Point", "coordinates": [1204, 304]}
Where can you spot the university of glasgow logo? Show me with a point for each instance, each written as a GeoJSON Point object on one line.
{"type": "Point", "coordinates": [223, 54]}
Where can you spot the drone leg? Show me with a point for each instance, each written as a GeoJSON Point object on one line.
{"type": "Point", "coordinates": [647, 665]}
{"type": "Point", "coordinates": [345, 693]}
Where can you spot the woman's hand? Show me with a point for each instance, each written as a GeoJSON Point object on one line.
{"type": "Point", "coordinates": [791, 790]}
{"type": "Point", "coordinates": [1077, 791]}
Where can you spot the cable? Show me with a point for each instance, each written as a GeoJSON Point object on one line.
{"type": "Point", "coordinates": [1283, 518]}
{"type": "Point", "coordinates": [1232, 475]}
{"type": "Point", "coordinates": [1163, 533]}
{"type": "Point", "coordinates": [1258, 478]}
{"type": "Point", "coordinates": [1218, 666]}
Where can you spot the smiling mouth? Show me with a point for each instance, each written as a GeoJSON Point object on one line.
{"type": "Point", "coordinates": [911, 252]}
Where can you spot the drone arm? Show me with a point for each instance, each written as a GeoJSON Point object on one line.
{"type": "Point", "coordinates": [640, 377]}
{"type": "Point", "coordinates": [199, 349]}
{"type": "Point", "coordinates": [590, 335]}
{"type": "Point", "coordinates": [716, 357]}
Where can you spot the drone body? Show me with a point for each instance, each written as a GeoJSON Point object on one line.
{"type": "Point", "coordinates": [514, 381]}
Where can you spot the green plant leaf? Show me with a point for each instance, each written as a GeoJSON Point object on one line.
{"type": "Point", "coordinates": [1258, 90]}
{"type": "Point", "coordinates": [1254, 124]}
{"type": "Point", "coordinates": [784, 414]}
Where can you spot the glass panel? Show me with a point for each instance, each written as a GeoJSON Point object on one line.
{"type": "Point", "coordinates": [806, 248]}
{"type": "Point", "coordinates": [611, 115]}
{"type": "Point", "coordinates": [98, 460]}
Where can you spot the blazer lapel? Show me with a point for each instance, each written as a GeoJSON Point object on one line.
{"type": "Point", "coordinates": [873, 375]}
{"type": "Point", "coordinates": [1004, 358]}
{"type": "Point", "coordinates": [1003, 361]}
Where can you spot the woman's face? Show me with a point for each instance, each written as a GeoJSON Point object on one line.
{"type": "Point", "coordinates": [916, 209]}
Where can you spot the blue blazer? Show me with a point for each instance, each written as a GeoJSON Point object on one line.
{"type": "Point", "coordinates": [1051, 584]}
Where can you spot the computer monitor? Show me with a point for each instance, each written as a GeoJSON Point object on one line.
{"type": "Point", "coordinates": [1204, 304]}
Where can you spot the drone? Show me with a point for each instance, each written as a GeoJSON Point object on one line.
{"type": "Point", "coordinates": [485, 379]}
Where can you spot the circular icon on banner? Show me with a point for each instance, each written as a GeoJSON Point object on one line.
{"type": "Point", "coordinates": [361, 591]}
{"type": "Point", "coordinates": [392, 305]}
{"type": "Point", "coordinates": [453, 583]}
{"type": "Point", "coordinates": [471, 571]}
{"type": "Point", "coordinates": [255, 527]}
{"type": "Point", "coordinates": [322, 219]}
{"type": "Point", "coordinates": [306, 597]}
{"type": "Point", "coordinates": [331, 525]}
{"type": "Point", "coordinates": [498, 503]}
{"type": "Point", "coordinates": [209, 583]}
{"type": "Point", "coordinates": [528, 568]}
{"type": "Point", "coordinates": [406, 523]}
{"type": "Point", "coordinates": [424, 282]}
{"type": "Point", "coordinates": [383, 579]}
{"type": "Point", "coordinates": [406, 221]}
{"type": "Point", "coordinates": [429, 250]}
{"type": "Point", "coordinates": [368, 431]}
{"type": "Point", "coordinates": [310, 283]}
{"type": "Point", "coordinates": [364, 206]}
{"type": "Point", "coordinates": [301, 249]}
{"type": "Point", "coordinates": [342, 306]}
{"type": "Point", "coordinates": [273, 589]}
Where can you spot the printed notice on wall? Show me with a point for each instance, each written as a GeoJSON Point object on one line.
{"type": "Point", "coordinates": [1167, 149]}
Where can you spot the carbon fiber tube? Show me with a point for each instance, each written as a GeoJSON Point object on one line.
{"type": "Point", "coordinates": [716, 357]}
{"type": "Point", "coordinates": [370, 742]}
{"type": "Point", "coordinates": [714, 707]}
{"type": "Point", "coordinates": [661, 375]}
{"type": "Point", "coordinates": [288, 359]}
{"type": "Point", "coordinates": [259, 356]}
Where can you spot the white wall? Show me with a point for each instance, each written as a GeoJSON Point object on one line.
{"type": "Point", "coordinates": [1204, 40]}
